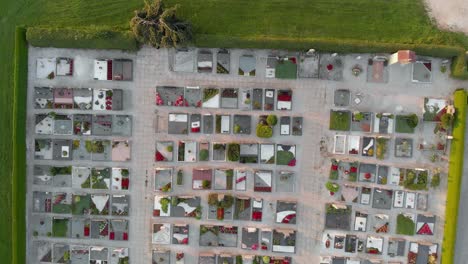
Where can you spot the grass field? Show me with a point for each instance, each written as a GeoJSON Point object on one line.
{"type": "Point", "coordinates": [454, 178]}
{"type": "Point", "coordinates": [222, 23]}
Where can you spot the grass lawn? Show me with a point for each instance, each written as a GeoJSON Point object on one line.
{"type": "Point", "coordinates": [405, 226]}
{"type": "Point", "coordinates": [284, 157]}
{"type": "Point", "coordinates": [402, 125]}
{"type": "Point", "coordinates": [286, 70]}
{"type": "Point", "coordinates": [60, 228]}
{"type": "Point", "coordinates": [80, 204]}
{"type": "Point", "coordinates": [61, 208]}
{"type": "Point", "coordinates": [243, 23]}
{"type": "Point", "coordinates": [454, 178]}
{"type": "Point", "coordinates": [340, 120]}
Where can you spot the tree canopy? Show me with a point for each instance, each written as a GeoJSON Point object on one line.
{"type": "Point", "coordinates": [159, 26]}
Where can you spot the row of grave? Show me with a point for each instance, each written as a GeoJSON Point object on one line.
{"type": "Point", "coordinates": [292, 65]}
{"type": "Point", "coordinates": [83, 124]}
{"type": "Point", "coordinates": [380, 147]}
{"type": "Point", "coordinates": [340, 217]}
{"type": "Point", "coordinates": [47, 252]}
{"type": "Point", "coordinates": [418, 252]}
{"type": "Point", "coordinates": [104, 69]}
{"type": "Point", "coordinates": [78, 149]}
{"type": "Point", "coordinates": [412, 179]}
{"type": "Point", "coordinates": [96, 204]}
{"type": "Point", "coordinates": [87, 99]}
{"type": "Point", "coordinates": [275, 240]}
{"type": "Point", "coordinates": [80, 228]}
{"type": "Point", "coordinates": [392, 199]}
{"type": "Point", "coordinates": [238, 179]}
{"type": "Point", "coordinates": [182, 123]}
{"type": "Point", "coordinates": [224, 207]}
{"type": "Point", "coordinates": [228, 98]}
{"type": "Point", "coordinates": [204, 61]}
{"type": "Point", "coordinates": [163, 256]}
{"type": "Point", "coordinates": [81, 177]}
{"type": "Point", "coordinates": [253, 153]}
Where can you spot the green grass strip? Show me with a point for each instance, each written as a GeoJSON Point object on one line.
{"type": "Point", "coordinates": [454, 178]}
{"type": "Point", "coordinates": [82, 38]}
{"type": "Point", "coordinates": [18, 223]}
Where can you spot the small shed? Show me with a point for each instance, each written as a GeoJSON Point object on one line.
{"type": "Point", "coordinates": [402, 57]}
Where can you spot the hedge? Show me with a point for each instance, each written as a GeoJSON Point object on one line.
{"type": "Point", "coordinates": [20, 84]}
{"type": "Point", "coordinates": [82, 38]}
{"type": "Point", "coordinates": [459, 66]}
{"type": "Point", "coordinates": [454, 178]}
{"type": "Point", "coordinates": [457, 53]}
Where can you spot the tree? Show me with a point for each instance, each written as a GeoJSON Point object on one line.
{"type": "Point", "coordinates": [272, 120]}
{"type": "Point", "coordinates": [159, 27]}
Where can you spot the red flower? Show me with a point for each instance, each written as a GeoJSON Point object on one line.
{"type": "Point", "coordinates": [292, 163]}
{"type": "Point", "coordinates": [353, 169]}
{"type": "Point", "coordinates": [125, 183]}
{"type": "Point", "coordinates": [329, 67]}
{"type": "Point", "coordinates": [367, 175]}
{"type": "Point", "coordinates": [334, 167]}
{"type": "Point", "coordinates": [159, 156]}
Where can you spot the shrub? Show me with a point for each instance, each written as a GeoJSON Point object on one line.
{"type": "Point", "coordinates": [227, 201]}
{"type": "Point", "coordinates": [332, 187]}
{"type": "Point", "coordinates": [180, 177]}
{"type": "Point", "coordinates": [446, 121]}
{"type": "Point", "coordinates": [381, 148]}
{"type": "Point", "coordinates": [169, 148]}
{"type": "Point", "coordinates": [412, 120]}
{"type": "Point", "coordinates": [213, 199]}
{"type": "Point", "coordinates": [358, 116]}
{"type": "Point", "coordinates": [272, 120]}
{"type": "Point", "coordinates": [203, 155]}
{"type": "Point", "coordinates": [164, 204]}
{"type": "Point", "coordinates": [233, 152]}
{"type": "Point", "coordinates": [264, 131]}
{"type": "Point", "coordinates": [209, 93]}
{"type": "Point", "coordinates": [125, 172]}
{"type": "Point", "coordinates": [435, 181]}
{"type": "Point", "coordinates": [443, 68]}
{"type": "Point", "coordinates": [206, 184]}
{"type": "Point", "coordinates": [237, 129]}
